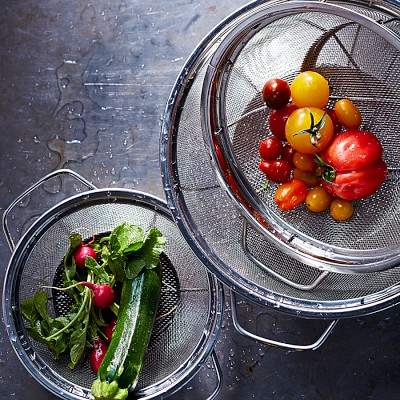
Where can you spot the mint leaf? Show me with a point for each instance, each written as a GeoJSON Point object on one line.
{"type": "Point", "coordinates": [133, 267]}
{"type": "Point", "coordinates": [153, 247]}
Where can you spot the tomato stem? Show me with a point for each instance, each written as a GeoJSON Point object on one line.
{"type": "Point", "coordinates": [263, 187]}
{"type": "Point", "coordinates": [324, 170]}
{"type": "Point", "coordinates": [314, 129]}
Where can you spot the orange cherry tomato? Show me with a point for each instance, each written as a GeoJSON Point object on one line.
{"type": "Point", "coordinates": [318, 199]}
{"type": "Point", "coordinates": [309, 130]}
{"type": "Point", "coordinates": [290, 194]}
{"type": "Point", "coordinates": [347, 114]}
{"type": "Point", "coordinates": [341, 209]}
{"type": "Point", "coordinates": [305, 162]}
{"type": "Point", "coordinates": [308, 177]}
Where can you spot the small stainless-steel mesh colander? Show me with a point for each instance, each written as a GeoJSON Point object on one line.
{"type": "Point", "coordinates": [356, 46]}
{"type": "Point", "coordinates": [190, 309]}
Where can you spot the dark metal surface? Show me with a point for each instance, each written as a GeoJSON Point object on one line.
{"type": "Point", "coordinates": [84, 86]}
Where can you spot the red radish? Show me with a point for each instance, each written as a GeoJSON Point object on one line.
{"type": "Point", "coordinates": [103, 294]}
{"type": "Point", "coordinates": [97, 353]}
{"type": "Point", "coordinates": [109, 329]}
{"type": "Point", "coordinates": [81, 253]}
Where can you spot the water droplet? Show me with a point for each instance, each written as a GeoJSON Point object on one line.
{"type": "Point", "coordinates": [36, 139]}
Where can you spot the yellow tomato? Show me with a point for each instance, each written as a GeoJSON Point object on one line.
{"type": "Point", "coordinates": [309, 130]}
{"type": "Point", "coordinates": [310, 89]}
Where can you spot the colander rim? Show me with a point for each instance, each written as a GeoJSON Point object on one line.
{"type": "Point", "coordinates": [183, 218]}
{"type": "Point", "coordinates": [288, 239]}
{"type": "Point", "coordinates": [20, 341]}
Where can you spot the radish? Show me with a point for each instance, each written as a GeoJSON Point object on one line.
{"type": "Point", "coordinates": [97, 353]}
{"type": "Point", "coordinates": [103, 294]}
{"type": "Point", "coordinates": [81, 253]}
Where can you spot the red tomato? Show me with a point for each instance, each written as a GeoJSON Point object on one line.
{"type": "Point", "coordinates": [352, 167]}
{"type": "Point", "coordinates": [353, 149]}
{"type": "Point", "coordinates": [270, 148]}
{"type": "Point", "coordinates": [337, 126]}
{"type": "Point", "coordinates": [277, 120]}
{"type": "Point", "coordinates": [288, 154]}
{"type": "Point", "coordinates": [358, 184]}
{"type": "Point", "coordinates": [277, 171]}
{"type": "Point", "coordinates": [276, 93]}
{"type": "Point", "coordinates": [290, 194]}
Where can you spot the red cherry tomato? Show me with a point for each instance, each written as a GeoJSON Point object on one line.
{"type": "Point", "coordinates": [351, 167]}
{"type": "Point", "coordinates": [290, 194]}
{"type": "Point", "coordinates": [276, 93]}
{"type": "Point", "coordinates": [288, 154]}
{"type": "Point", "coordinates": [337, 126]}
{"type": "Point", "coordinates": [277, 171]}
{"type": "Point", "coordinates": [277, 120]}
{"type": "Point", "coordinates": [270, 148]}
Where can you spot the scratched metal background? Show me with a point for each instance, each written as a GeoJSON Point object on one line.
{"type": "Point", "coordinates": [84, 85]}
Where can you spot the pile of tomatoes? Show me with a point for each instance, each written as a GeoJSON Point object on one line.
{"type": "Point", "coordinates": [318, 155]}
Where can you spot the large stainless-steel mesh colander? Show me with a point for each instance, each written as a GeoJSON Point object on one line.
{"type": "Point", "coordinates": [217, 228]}
{"type": "Point", "coordinates": [189, 313]}
{"type": "Point", "coordinates": [356, 47]}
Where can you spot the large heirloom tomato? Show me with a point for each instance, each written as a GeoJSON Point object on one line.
{"type": "Point", "coordinates": [352, 167]}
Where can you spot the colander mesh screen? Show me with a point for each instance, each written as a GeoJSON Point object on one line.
{"type": "Point", "coordinates": [184, 306]}
{"type": "Point", "coordinates": [360, 65]}
{"type": "Point", "coordinates": [219, 222]}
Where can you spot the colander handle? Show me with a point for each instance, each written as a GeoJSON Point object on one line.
{"type": "Point", "coordinates": [218, 373]}
{"type": "Point", "coordinates": [289, 282]}
{"type": "Point", "coordinates": [20, 198]}
{"type": "Point", "coordinates": [270, 342]}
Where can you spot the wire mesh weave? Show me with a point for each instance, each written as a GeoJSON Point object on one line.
{"type": "Point", "coordinates": [184, 328]}
{"type": "Point", "coordinates": [360, 64]}
{"type": "Point", "coordinates": [208, 217]}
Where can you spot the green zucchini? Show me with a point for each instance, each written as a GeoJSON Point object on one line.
{"type": "Point", "coordinates": [122, 363]}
